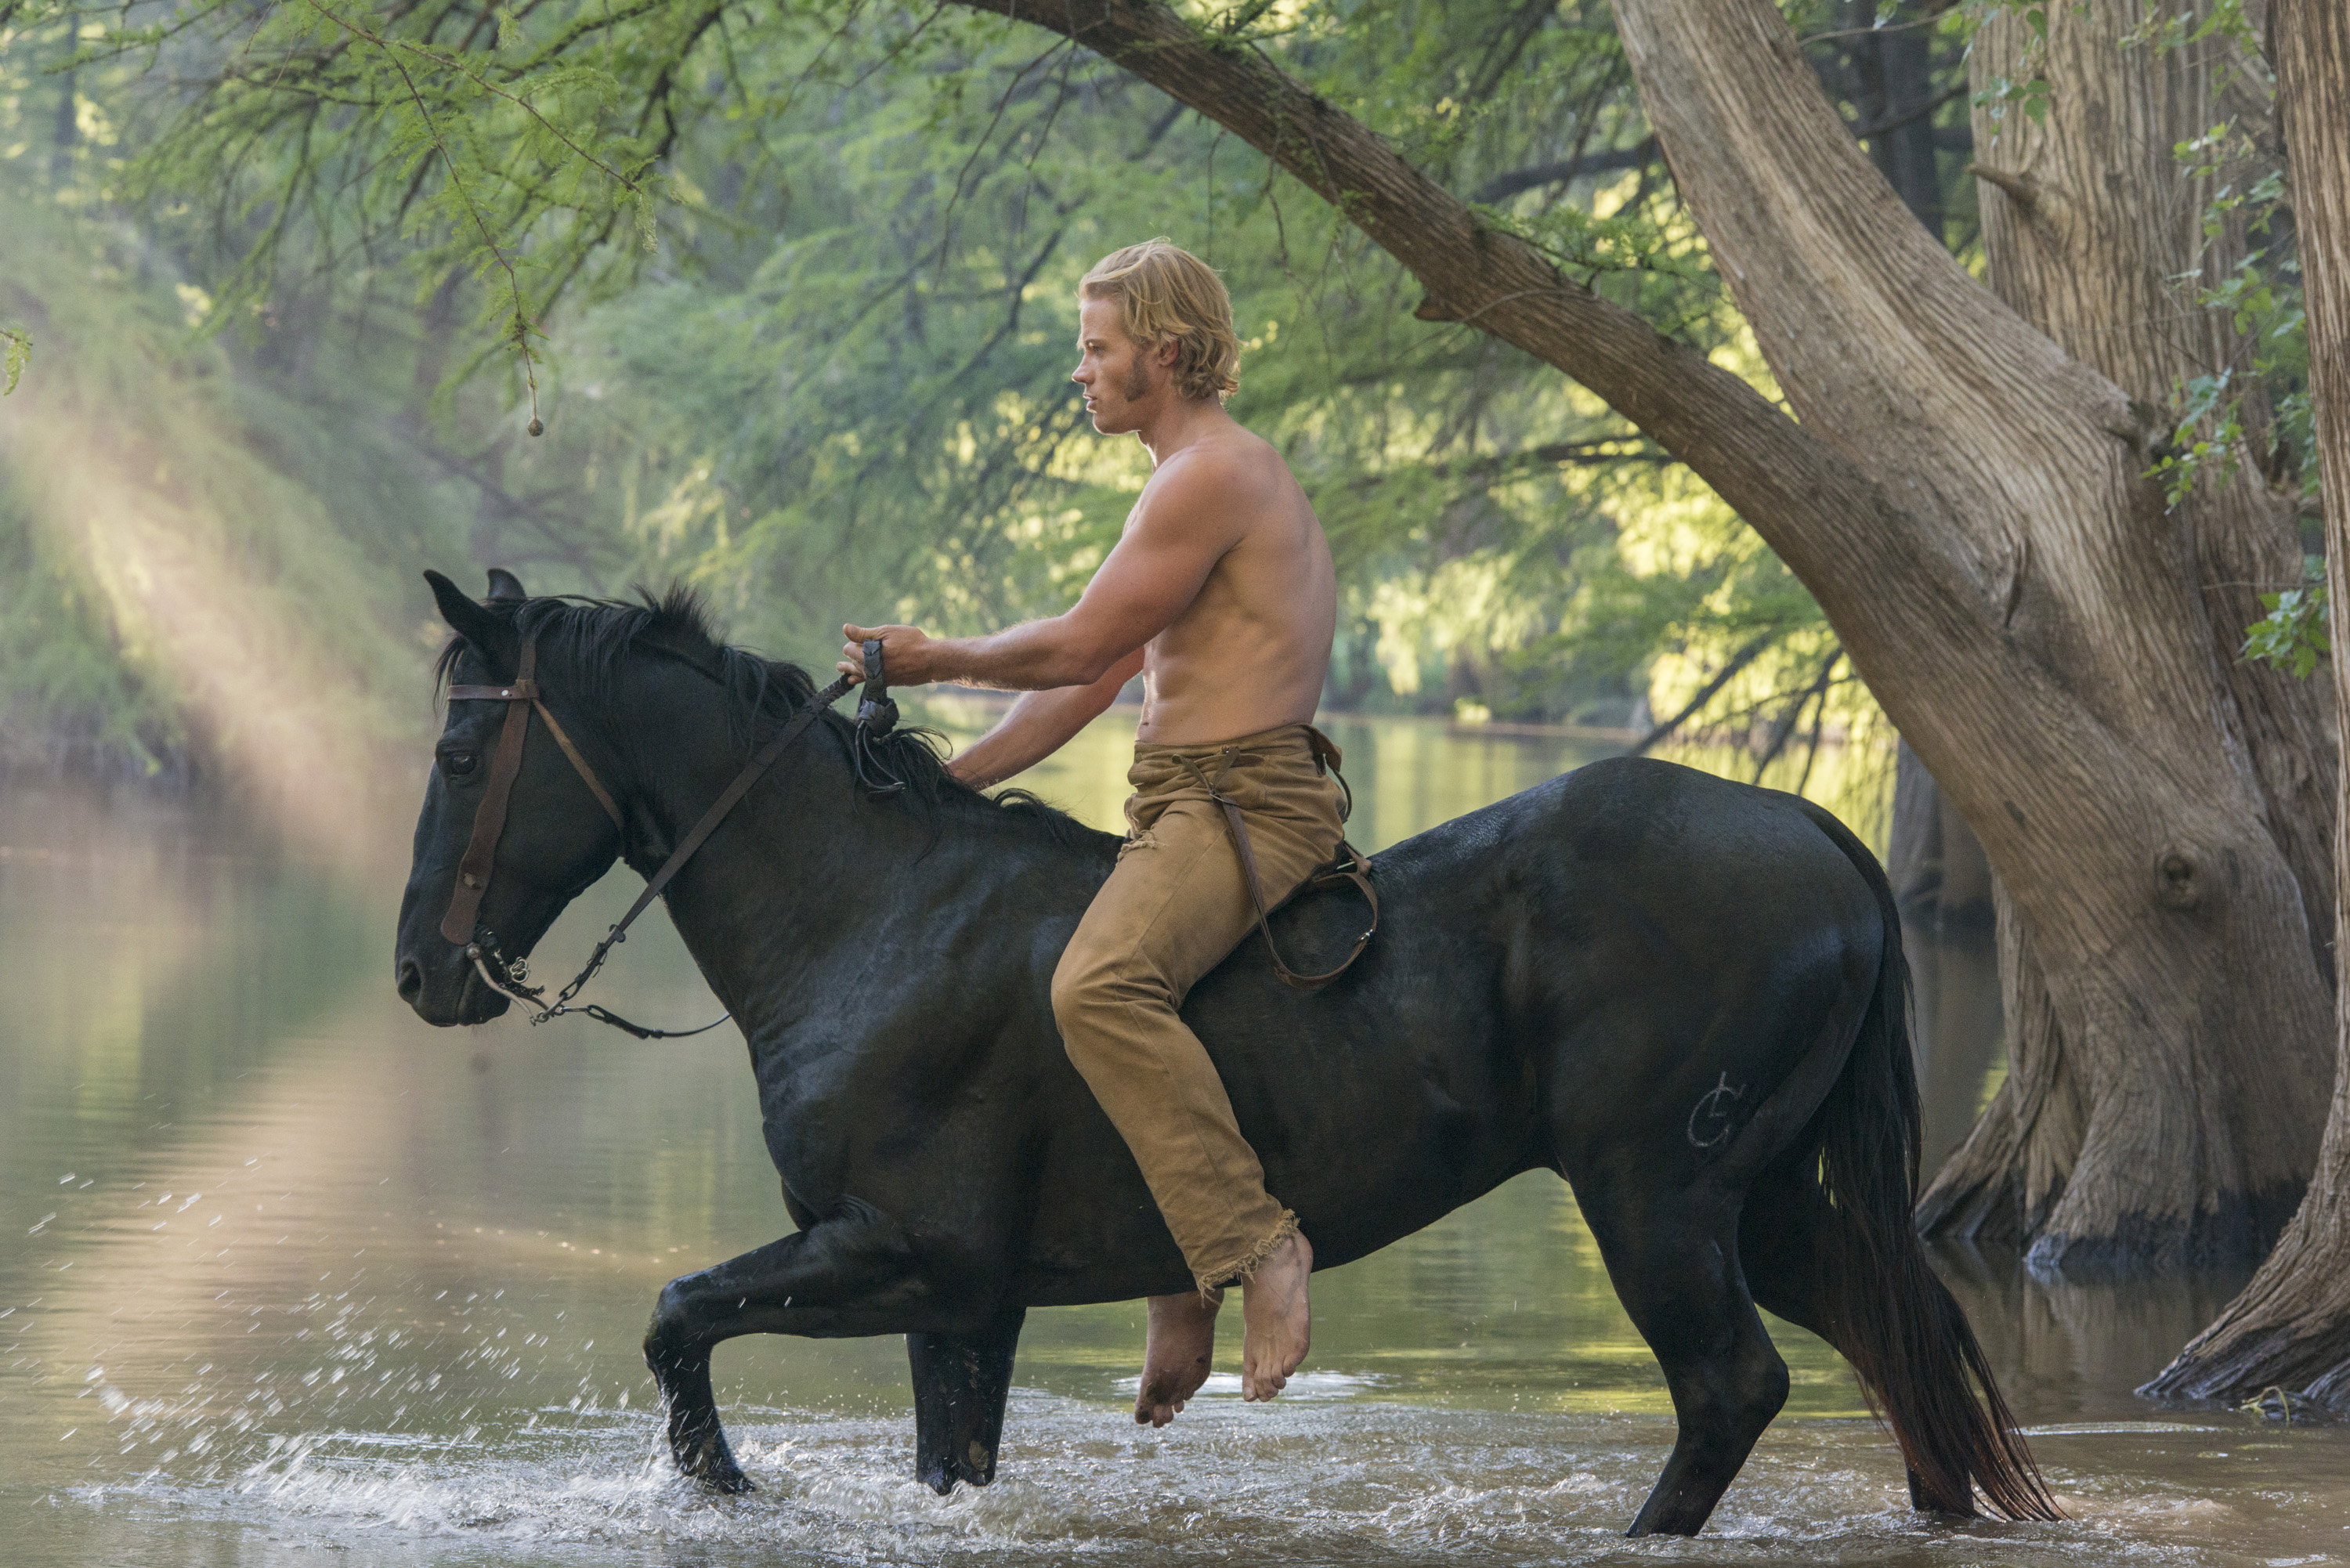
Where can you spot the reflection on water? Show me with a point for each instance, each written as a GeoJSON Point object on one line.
{"type": "Point", "coordinates": [282, 1270]}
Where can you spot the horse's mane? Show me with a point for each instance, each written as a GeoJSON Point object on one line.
{"type": "Point", "coordinates": [590, 638]}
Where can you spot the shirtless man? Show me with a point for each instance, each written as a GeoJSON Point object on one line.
{"type": "Point", "coordinates": [1221, 593]}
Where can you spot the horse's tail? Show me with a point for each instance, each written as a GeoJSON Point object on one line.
{"type": "Point", "coordinates": [1896, 1324]}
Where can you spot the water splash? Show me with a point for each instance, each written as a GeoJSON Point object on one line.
{"type": "Point", "coordinates": [1334, 1481]}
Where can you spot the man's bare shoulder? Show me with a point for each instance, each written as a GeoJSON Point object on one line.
{"type": "Point", "coordinates": [1235, 470]}
{"type": "Point", "coordinates": [1235, 452]}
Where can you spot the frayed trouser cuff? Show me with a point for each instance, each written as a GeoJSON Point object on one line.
{"type": "Point", "coordinates": [1212, 1280]}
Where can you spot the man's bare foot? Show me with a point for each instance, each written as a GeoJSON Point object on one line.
{"type": "Point", "coordinates": [1182, 1346]}
{"type": "Point", "coordinates": [1276, 1326]}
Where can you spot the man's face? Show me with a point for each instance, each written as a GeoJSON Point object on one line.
{"type": "Point", "coordinates": [1122, 380]}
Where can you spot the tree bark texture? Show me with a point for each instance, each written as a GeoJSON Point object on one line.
{"type": "Point", "coordinates": [1941, 877]}
{"type": "Point", "coordinates": [2094, 238]}
{"type": "Point", "coordinates": [2290, 1329]}
{"type": "Point", "coordinates": [2090, 224]}
{"type": "Point", "coordinates": [1965, 500]}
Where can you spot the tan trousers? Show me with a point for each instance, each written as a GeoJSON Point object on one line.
{"type": "Point", "coordinates": [1174, 906]}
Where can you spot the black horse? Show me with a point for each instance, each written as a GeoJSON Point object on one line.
{"type": "Point", "coordinates": [1686, 996]}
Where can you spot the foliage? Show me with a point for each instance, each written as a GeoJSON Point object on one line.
{"type": "Point", "coordinates": [2027, 90]}
{"type": "Point", "coordinates": [202, 567]}
{"type": "Point", "coordinates": [2257, 409]}
{"type": "Point", "coordinates": [69, 700]}
{"type": "Point", "coordinates": [790, 292]}
{"type": "Point", "coordinates": [2164, 29]}
{"type": "Point", "coordinates": [2207, 441]}
{"type": "Point", "coordinates": [2294, 635]}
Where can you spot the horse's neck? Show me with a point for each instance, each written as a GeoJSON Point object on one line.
{"type": "Point", "coordinates": [808, 886]}
{"type": "Point", "coordinates": [795, 880]}
{"type": "Point", "coordinates": [751, 903]}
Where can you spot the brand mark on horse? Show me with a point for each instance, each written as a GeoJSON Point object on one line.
{"type": "Point", "coordinates": [1712, 1112]}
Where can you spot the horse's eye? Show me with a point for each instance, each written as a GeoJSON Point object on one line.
{"type": "Point", "coordinates": [458, 763]}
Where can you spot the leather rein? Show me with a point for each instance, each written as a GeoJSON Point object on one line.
{"type": "Point", "coordinates": [876, 716]}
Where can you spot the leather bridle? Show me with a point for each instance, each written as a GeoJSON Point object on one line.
{"type": "Point", "coordinates": [875, 715]}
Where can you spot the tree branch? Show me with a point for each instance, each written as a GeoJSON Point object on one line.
{"type": "Point", "coordinates": [2024, 192]}
{"type": "Point", "coordinates": [521, 323]}
{"type": "Point", "coordinates": [1705, 693]}
{"type": "Point", "coordinates": [1910, 115]}
{"type": "Point", "coordinates": [1594, 453]}
{"type": "Point", "coordinates": [1517, 181]}
{"type": "Point", "coordinates": [1811, 504]}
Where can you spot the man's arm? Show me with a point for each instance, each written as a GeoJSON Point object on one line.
{"type": "Point", "coordinates": [1180, 532]}
{"type": "Point", "coordinates": [1039, 724]}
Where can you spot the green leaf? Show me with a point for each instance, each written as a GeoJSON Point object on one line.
{"type": "Point", "coordinates": [2294, 635]}
{"type": "Point", "coordinates": [18, 356]}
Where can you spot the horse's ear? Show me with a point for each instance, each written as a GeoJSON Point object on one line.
{"type": "Point", "coordinates": [483, 628]}
{"type": "Point", "coordinates": [504, 585]}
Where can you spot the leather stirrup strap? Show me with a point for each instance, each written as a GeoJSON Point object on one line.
{"type": "Point", "coordinates": [1348, 866]}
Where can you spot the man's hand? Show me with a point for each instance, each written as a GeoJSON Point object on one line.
{"type": "Point", "coordinates": [909, 655]}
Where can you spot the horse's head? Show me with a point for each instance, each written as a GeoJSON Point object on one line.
{"type": "Point", "coordinates": [552, 838]}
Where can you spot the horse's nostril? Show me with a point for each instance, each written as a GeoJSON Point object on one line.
{"type": "Point", "coordinates": [412, 980]}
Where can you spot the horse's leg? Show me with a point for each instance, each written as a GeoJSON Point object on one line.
{"type": "Point", "coordinates": [1674, 1261]}
{"type": "Point", "coordinates": [852, 1274]}
{"type": "Point", "coordinates": [961, 1381]}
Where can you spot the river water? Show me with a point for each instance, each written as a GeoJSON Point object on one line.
{"type": "Point", "coordinates": [287, 1277]}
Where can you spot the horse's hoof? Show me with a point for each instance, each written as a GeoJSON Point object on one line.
{"type": "Point", "coordinates": [727, 1483]}
{"type": "Point", "coordinates": [977, 1466]}
{"type": "Point", "coordinates": [708, 1462]}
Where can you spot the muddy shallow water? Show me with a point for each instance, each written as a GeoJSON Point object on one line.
{"type": "Point", "coordinates": [284, 1272]}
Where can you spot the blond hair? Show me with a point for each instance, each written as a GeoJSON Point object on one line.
{"type": "Point", "coordinates": [1162, 292]}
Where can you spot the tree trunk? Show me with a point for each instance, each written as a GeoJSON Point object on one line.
{"type": "Point", "coordinates": [1943, 884]}
{"type": "Point", "coordinates": [2089, 223]}
{"type": "Point", "coordinates": [2291, 1327]}
{"type": "Point", "coordinates": [1892, 89]}
{"type": "Point", "coordinates": [1941, 877]}
{"type": "Point", "coordinates": [1966, 502]}
{"type": "Point", "coordinates": [2095, 252]}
